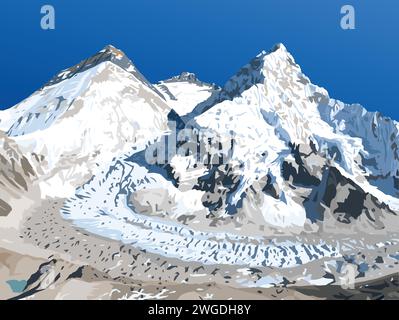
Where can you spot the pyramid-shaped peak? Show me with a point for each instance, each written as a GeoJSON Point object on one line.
{"type": "Point", "coordinates": [265, 58]}
{"type": "Point", "coordinates": [254, 71]}
{"type": "Point", "coordinates": [111, 50]}
{"type": "Point", "coordinates": [110, 47]}
{"type": "Point", "coordinates": [278, 49]}
{"type": "Point", "coordinates": [107, 54]}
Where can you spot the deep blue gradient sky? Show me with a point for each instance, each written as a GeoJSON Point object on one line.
{"type": "Point", "coordinates": [212, 38]}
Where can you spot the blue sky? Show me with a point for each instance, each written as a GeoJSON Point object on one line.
{"type": "Point", "coordinates": [212, 38]}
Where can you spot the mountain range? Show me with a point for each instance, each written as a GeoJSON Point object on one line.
{"type": "Point", "coordinates": [264, 182]}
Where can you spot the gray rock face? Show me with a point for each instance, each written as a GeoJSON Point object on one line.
{"type": "Point", "coordinates": [298, 171]}
{"type": "Point", "coordinates": [184, 77]}
{"type": "Point", "coordinates": [16, 173]}
{"type": "Point", "coordinates": [347, 201]}
{"type": "Point", "coordinates": [5, 208]}
{"type": "Point", "coordinates": [331, 193]}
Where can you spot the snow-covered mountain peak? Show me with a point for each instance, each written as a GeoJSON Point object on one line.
{"type": "Point", "coordinates": [113, 50]}
{"type": "Point", "coordinates": [184, 77]}
{"type": "Point", "coordinates": [271, 108]}
{"type": "Point", "coordinates": [188, 77]}
{"type": "Point", "coordinates": [277, 49]}
{"type": "Point", "coordinates": [107, 54]}
{"type": "Point", "coordinates": [275, 71]}
{"type": "Point", "coordinates": [185, 91]}
{"type": "Point", "coordinates": [266, 65]}
{"type": "Point", "coordinates": [92, 111]}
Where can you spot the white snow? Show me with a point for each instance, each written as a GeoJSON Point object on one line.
{"type": "Point", "coordinates": [186, 95]}
{"type": "Point", "coordinates": [104, 111]}
{"type": "Point", "coordinates": [278, 104]}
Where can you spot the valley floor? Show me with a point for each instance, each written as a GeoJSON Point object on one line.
{"type": "Point", "coordinates": [46, 257]}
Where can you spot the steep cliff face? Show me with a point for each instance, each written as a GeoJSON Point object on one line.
{"type": "Point", "coordinates": [16, 174]}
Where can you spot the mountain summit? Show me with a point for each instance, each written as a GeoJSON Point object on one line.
{"type": "Point", "coordinates": [108, 54]}
{"type": "Point", "coordinates": [84, 115]}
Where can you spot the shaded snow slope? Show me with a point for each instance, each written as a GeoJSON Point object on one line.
{"type": "Point", "coordinates": [184, 92]}
{"type": "Point", "coordinates": [86, 117]}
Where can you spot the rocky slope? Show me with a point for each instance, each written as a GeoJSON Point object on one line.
{"type": "Point", "coordinates": [17, 176]}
